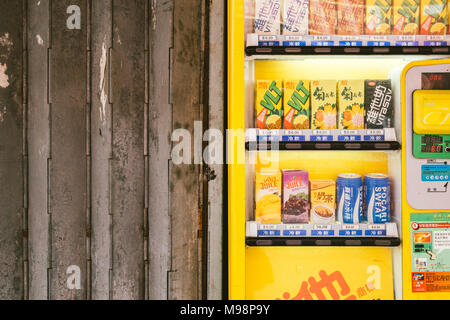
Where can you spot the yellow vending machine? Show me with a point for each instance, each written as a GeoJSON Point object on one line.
{"type": "Point", "coordinates": [338, 148]}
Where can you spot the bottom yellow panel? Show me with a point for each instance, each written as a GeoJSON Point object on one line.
{"type": "Point", "coordinates": [319, 273]}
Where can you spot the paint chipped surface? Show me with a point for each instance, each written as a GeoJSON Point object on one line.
{"type": "Point", "coordinates": [4, 80]}
{"type": "Point", "coordinates": [6, 45]}
{"type": "Point", "coordinates": [2, 114]}
{"type": "Point", "coordinates": [103, 95]}
{"type": "Point", "coordinates": [39, 40]}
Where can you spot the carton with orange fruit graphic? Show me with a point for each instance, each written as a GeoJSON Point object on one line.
{"type": "Point", "coordinates": [297, 104]}
{"type": "Point", "coordinates": [433, 17]}
{"type": "Point", "coordinates": [406, 17]}
{"type": "Point", "coordinates": [351, 104]}
{"type": "Point", "coordinates": [323, 104]}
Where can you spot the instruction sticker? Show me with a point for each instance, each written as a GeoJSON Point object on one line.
{"type": "Point", "coordinates": [430, 252]}
{"type": "Point", "coordinates": [437, 173]}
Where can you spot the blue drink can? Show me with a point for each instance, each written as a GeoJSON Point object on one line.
{"type": "Point", "coordinates": [377, 194]}
{"type": "Point", "coordinates": [350, 198]}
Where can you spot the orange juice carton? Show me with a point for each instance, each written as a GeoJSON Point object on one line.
{"type": "Point", "coordinates": [379, 17]}
{"type": "Point", "coordinates": [406, 17]}
{"type": "Point", "coordinates": [297, 104]}
{"type": "Point", "coordinates": [433, 17]}
{"type": "Point", "coordinates": [323, 104]}
{"type": "Point", "coordinates": [267, 17]}
{"type": "Point", "coordinates": [268, 197]}
{"type": "Point", "coordinates": [323, 201]}
{"type": "Point", "coordinates": [295, 17]}
{"type": "Point", "coordinates": [322, 17]}
{"type": "Point", "coordinates": [269, 104]}
{"type": "Point", "coordinates": [351, 104]}
{"type": "Point", "coordinates": [350, 17]}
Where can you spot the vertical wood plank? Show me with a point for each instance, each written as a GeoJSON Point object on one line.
{"type": "Point", "coordinates": [184, 180]}
{"type": "Point", "coordinates": [38, 146]}
{"type": "Point", "coordinates": [216, 115]}
{"type": "Point", "coordinates": [11, 151]}
{"type": "Point", "coordinates": [68, 165]}
{"type": "Point", "coordinates": [127, 165]}
{"type": "Point", "coordinates": [101, 117]}
{"type": "Point", "coordinates": [160, 127]}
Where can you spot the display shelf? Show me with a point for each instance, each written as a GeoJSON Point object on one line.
{"type": "Point", "coordinates": [384, 139]}
{"type": "Point", "coordinates": [385, 235]}
{"type": "Point", "coordinates": [342, 45]}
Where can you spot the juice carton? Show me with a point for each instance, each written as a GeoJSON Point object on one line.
{"type": "Point", "coordinates": [350, 17]}
{"type": "Point", "coordinates": [268, 197]}
{"type": "Point", "coordinates": [297, 104]}
{"type": "Point", "coordinates": [406, 17]}
{"type": "Point", "coordinates": [295, 17]}
{"type": "Point", "coordinates": [379, 104]}
{"type": "Point", "coordinates": [323, 104]}
{"type": "Point", "coordinates": [269, 104]}
{"type": "Point", "coordinates": [267, 17]}
{"type": "Point", "coordinates": [323, 201]}
{"type": "Point", "coordinates": [322, 17]}
{"type": "Point", "coordinates": [351, 104]}
{"type": "Point", "coordinates": [295, 196]}
{"type": "Point", "coordinates": [433, 17]}
{"type": "Point", "coordinates": [379, 17]}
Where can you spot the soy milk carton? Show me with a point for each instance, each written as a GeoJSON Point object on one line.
{"type": "Point", "coordinates": [323, 104]}
{"type": "Point", "coordinates": [295, 17]}
{"type": "Point", "coordinates": [351, 104]}
{"type": "Point", "coordinates": [267, 17]}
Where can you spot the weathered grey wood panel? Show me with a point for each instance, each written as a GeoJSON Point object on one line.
{"type": "Point", "coordinates": [101, 133]}
{"type": "Point", "coordinates": [160, 130]}
{"type": "Point", "coordinates": [216, 116]}
{"type": "Point", "coordinates": [128, 99]}
{"type": "Point", "coordinates": [38, 146]}
{"type": "Point", "coordinates": [185, 180]}
{"type": "Point", "coordinates": [12, 211]}
{"type": "Point", "coordinates": [68, 153]}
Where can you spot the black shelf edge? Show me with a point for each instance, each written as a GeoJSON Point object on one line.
{"type": "Point", "coordinates": [340, 50]}
{"type": "Point", "coordinates": [335, 145]}
{"type": "Point", "coordinates": [323, 242]}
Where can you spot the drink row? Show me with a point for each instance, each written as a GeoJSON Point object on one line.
{"type": "Point", "coordinates": [324, 104]}
{"type": "Point", "coordinates": [349, 17]}
{"type": "Point", "coordinates": [290, 197]}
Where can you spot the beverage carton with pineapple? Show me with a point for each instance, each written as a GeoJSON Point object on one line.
{"type": "Point", "coordinates": [351, 104]}
{"type": "Point", "coordinates": [323, 104]}
{"type": "Point", "coordinates": [297, 104]}
{"type": "Point", "coordinates": [379, 17]}
{"type": "Point", "coordinates": [433, 17]}
{"type": "Point", "coordinates": [406, 17]}
{"type": "Point", "coordinates": [269, 104]}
